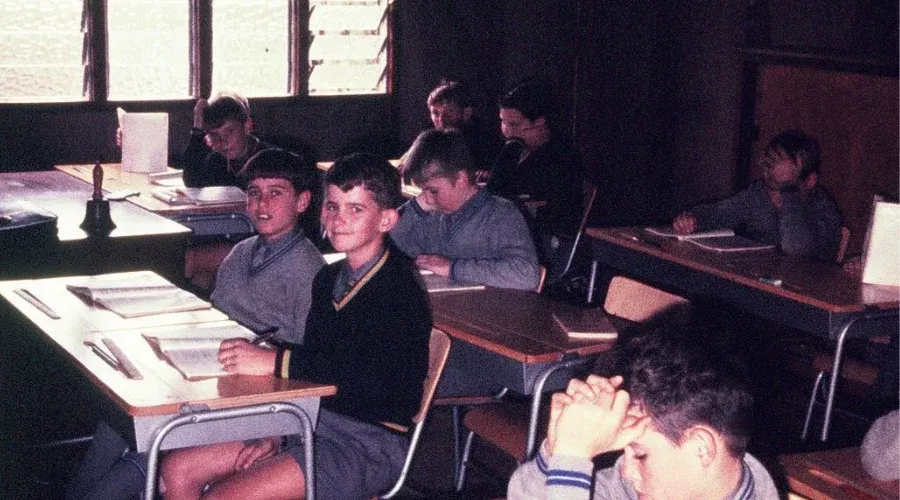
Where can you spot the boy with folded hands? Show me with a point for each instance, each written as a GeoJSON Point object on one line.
{"type": "Point", "coordinates": [680, 412]}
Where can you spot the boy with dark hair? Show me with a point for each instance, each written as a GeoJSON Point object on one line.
{"type": "Point", "coordinates": [538, 166]}
{"type": "Point", "coordinates": [682, 414]}
{"type": "Point", "coordinates": [367, 333]}
{"type": "Point", "coordinates": [451, 105]}
{"type": "Point", "coordinates": [455, 228]}
{"type": "Point", "coordinates": [280, 260]}
{"type": "Point", "coordinates": [221, 142]}
{"type": "Point", "coordinates": [787, 207]}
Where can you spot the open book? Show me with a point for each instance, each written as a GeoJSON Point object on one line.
{"type": "Point", "coordinates": [143, 294]}
{"type": "Point", "coordinates": [435, 283]}
{"type": "Point", "coordinates": [214, 195]}
{"type": "Point", "coordinates": [669, 232]}
{"type": "Point", "coordinates": [585, 324]}
{"type": "Point", "coordinates": [194, 349]}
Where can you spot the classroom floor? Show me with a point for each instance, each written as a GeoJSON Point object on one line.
{"type": "Point", "coordinates": [778, 427]}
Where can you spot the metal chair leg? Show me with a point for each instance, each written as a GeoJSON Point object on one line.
{"type": "Point", "coordinates": [812, 404]}
{"type": "Point", "coordinates": [592, 282]}
{"type": "Point", "coordinates": [461, 475]}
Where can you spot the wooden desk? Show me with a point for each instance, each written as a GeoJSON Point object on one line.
{"type": "Point", "coordinates": [816, 297]}
{"type": "Point", "coordinates": [141, 240]}
{"type": "Point", "coordinates": [139, 408]}
{"type": "Point", "coordinates": [824, 475]}
{"type": "Point", "coordinates": [115, 179]}
{"type": "Point", "coordinates": [508, 337]}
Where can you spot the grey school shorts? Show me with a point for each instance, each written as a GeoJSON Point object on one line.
{"type": "Point", "coordinates": [353, 459]}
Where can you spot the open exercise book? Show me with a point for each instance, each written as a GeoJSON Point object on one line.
{"type": "Point", "coordinates": [194, 349]}
{"type": "Point", "coordinates": [718, 240]}
{"type": "Point", "coordinates": [591, 324]}
{"type": "Point", "coordinates": [214, 195]}
{"type": "Point", "coordinates": [135, 295]}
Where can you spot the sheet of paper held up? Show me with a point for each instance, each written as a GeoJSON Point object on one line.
{"type": "Point", "coordinates": [145, 141]}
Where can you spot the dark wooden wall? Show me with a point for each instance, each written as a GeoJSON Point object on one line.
{"type": "Point", "coordinates": [652, 91]}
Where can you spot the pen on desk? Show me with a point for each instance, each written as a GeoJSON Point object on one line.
{"type": "Point", "coordinates": [36, 302]}
{"type": "Point", "coordinates": [264, 336]}
{"type": "Point", "coordinates": [105, 357]}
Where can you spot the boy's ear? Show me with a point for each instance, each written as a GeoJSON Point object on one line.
{"type": "Point", "coordinates": [389, 218]}
{"type": "Point", "coordinates": [303, 200]}
{"type": "Point", "coordinates": [704, 443]}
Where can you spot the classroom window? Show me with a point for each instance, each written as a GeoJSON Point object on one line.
{"type": "Point", "coordinates": [96, 50]}
{"type": "Point", "coordinates": [41, 46]}
{"type": "Point", "coordinates": [149, 42]}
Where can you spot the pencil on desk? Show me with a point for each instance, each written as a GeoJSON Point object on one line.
{"type": "Point", "coordinates": [264, 336]}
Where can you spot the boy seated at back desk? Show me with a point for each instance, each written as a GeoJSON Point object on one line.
{"type": "Point", "coordinates": [680, 411]}
{"type": "Point", "coordinates": [786, 208]}
{"type": "Point", "coordinates": [367, 333]}
{"type": "Point", "coordinates": [457, 229]}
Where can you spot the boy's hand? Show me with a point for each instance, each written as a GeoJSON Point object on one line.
{"type": "Point", "coordinates": [239, 356]}
{"type": "Point", "coordinates": [199, 108]}
{"type": "Point", "coordinates": [685, 223]}
{"type": "Point", "coordinates": [253, 452]}
{"type": "Point", "coordinates": [596, 420]}
{"type": "Point", "coordinates": [438, 264]}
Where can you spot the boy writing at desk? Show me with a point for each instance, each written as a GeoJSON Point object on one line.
{"type": "Point", "coordinates": [786, 208]}
{"type": "Point", "coordinates": [680, 411]}
{"type": "Point", "coordinates": [367, 333]}
{"type": "Point", "coordinates": [457, 229]}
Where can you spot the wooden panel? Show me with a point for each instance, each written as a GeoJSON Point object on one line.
{"type": "Point", "coordinates": [855, 119]}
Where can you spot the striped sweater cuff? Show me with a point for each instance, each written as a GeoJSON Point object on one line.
{"type": "Point", "coordinates": [282, 363]}
{"type": "Point", "coordinates": [567, 473]}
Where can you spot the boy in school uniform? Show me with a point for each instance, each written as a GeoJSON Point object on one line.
{"type": "Point", "coordinates": [221, 142]}
{"type": "Point", "coordinates": [680, 411]}
{"type": "Point", "coordinates": [787, 207]}
{"type": "Point", "coordinates": [451, 106]}
{"type": "Point", "coordinates": [367, 333]}
{"type": "Point", "coordinates": [455, 228]}
{"type": "Point", "coordinates": [539, 165]}
{"type": "Point", "coordinates": [280, 261]}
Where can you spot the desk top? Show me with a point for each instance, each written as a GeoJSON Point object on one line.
{"type": "Point", "coordinates": [115, 179]}
{"type": "Point", "coordinates": [66, 197]}
{"type": "Point", "coordinates": [513, 323]}
{"type": "Point", "coordinates": [163, 390]}
{"type": "Point", "coordinates": [834, 474]}
{"type": "Point", "coordinates": [818, 284]}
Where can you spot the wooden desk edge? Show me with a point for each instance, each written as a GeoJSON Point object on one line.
{"type": "Point", "coordinates": [606, 234]}
{"type": "Point", "coordinates": [312, 390]}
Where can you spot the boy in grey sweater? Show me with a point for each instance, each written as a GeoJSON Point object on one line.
{"type": "Point", "coordinates": [680, 412]}
{"type": "Point", "coordinates": [455, 228]}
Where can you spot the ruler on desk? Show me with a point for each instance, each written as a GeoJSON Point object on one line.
{"type": "Point", "coordinates": [128, 367]}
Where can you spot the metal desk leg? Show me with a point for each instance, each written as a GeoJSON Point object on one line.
{"type": "Point", "coordinates": [536, 400]}
{"type": "Point", "coordinates": [836, 366]}
{"type": "Point", "coordinates": [231, 413]}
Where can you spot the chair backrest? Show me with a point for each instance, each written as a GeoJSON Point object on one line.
{"type": "Point", "coordinates": [842, 247]}
{"type": "Point", "coordinates": [438, 352]}
{"type": "Point", "coordinates": [635, 301]}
